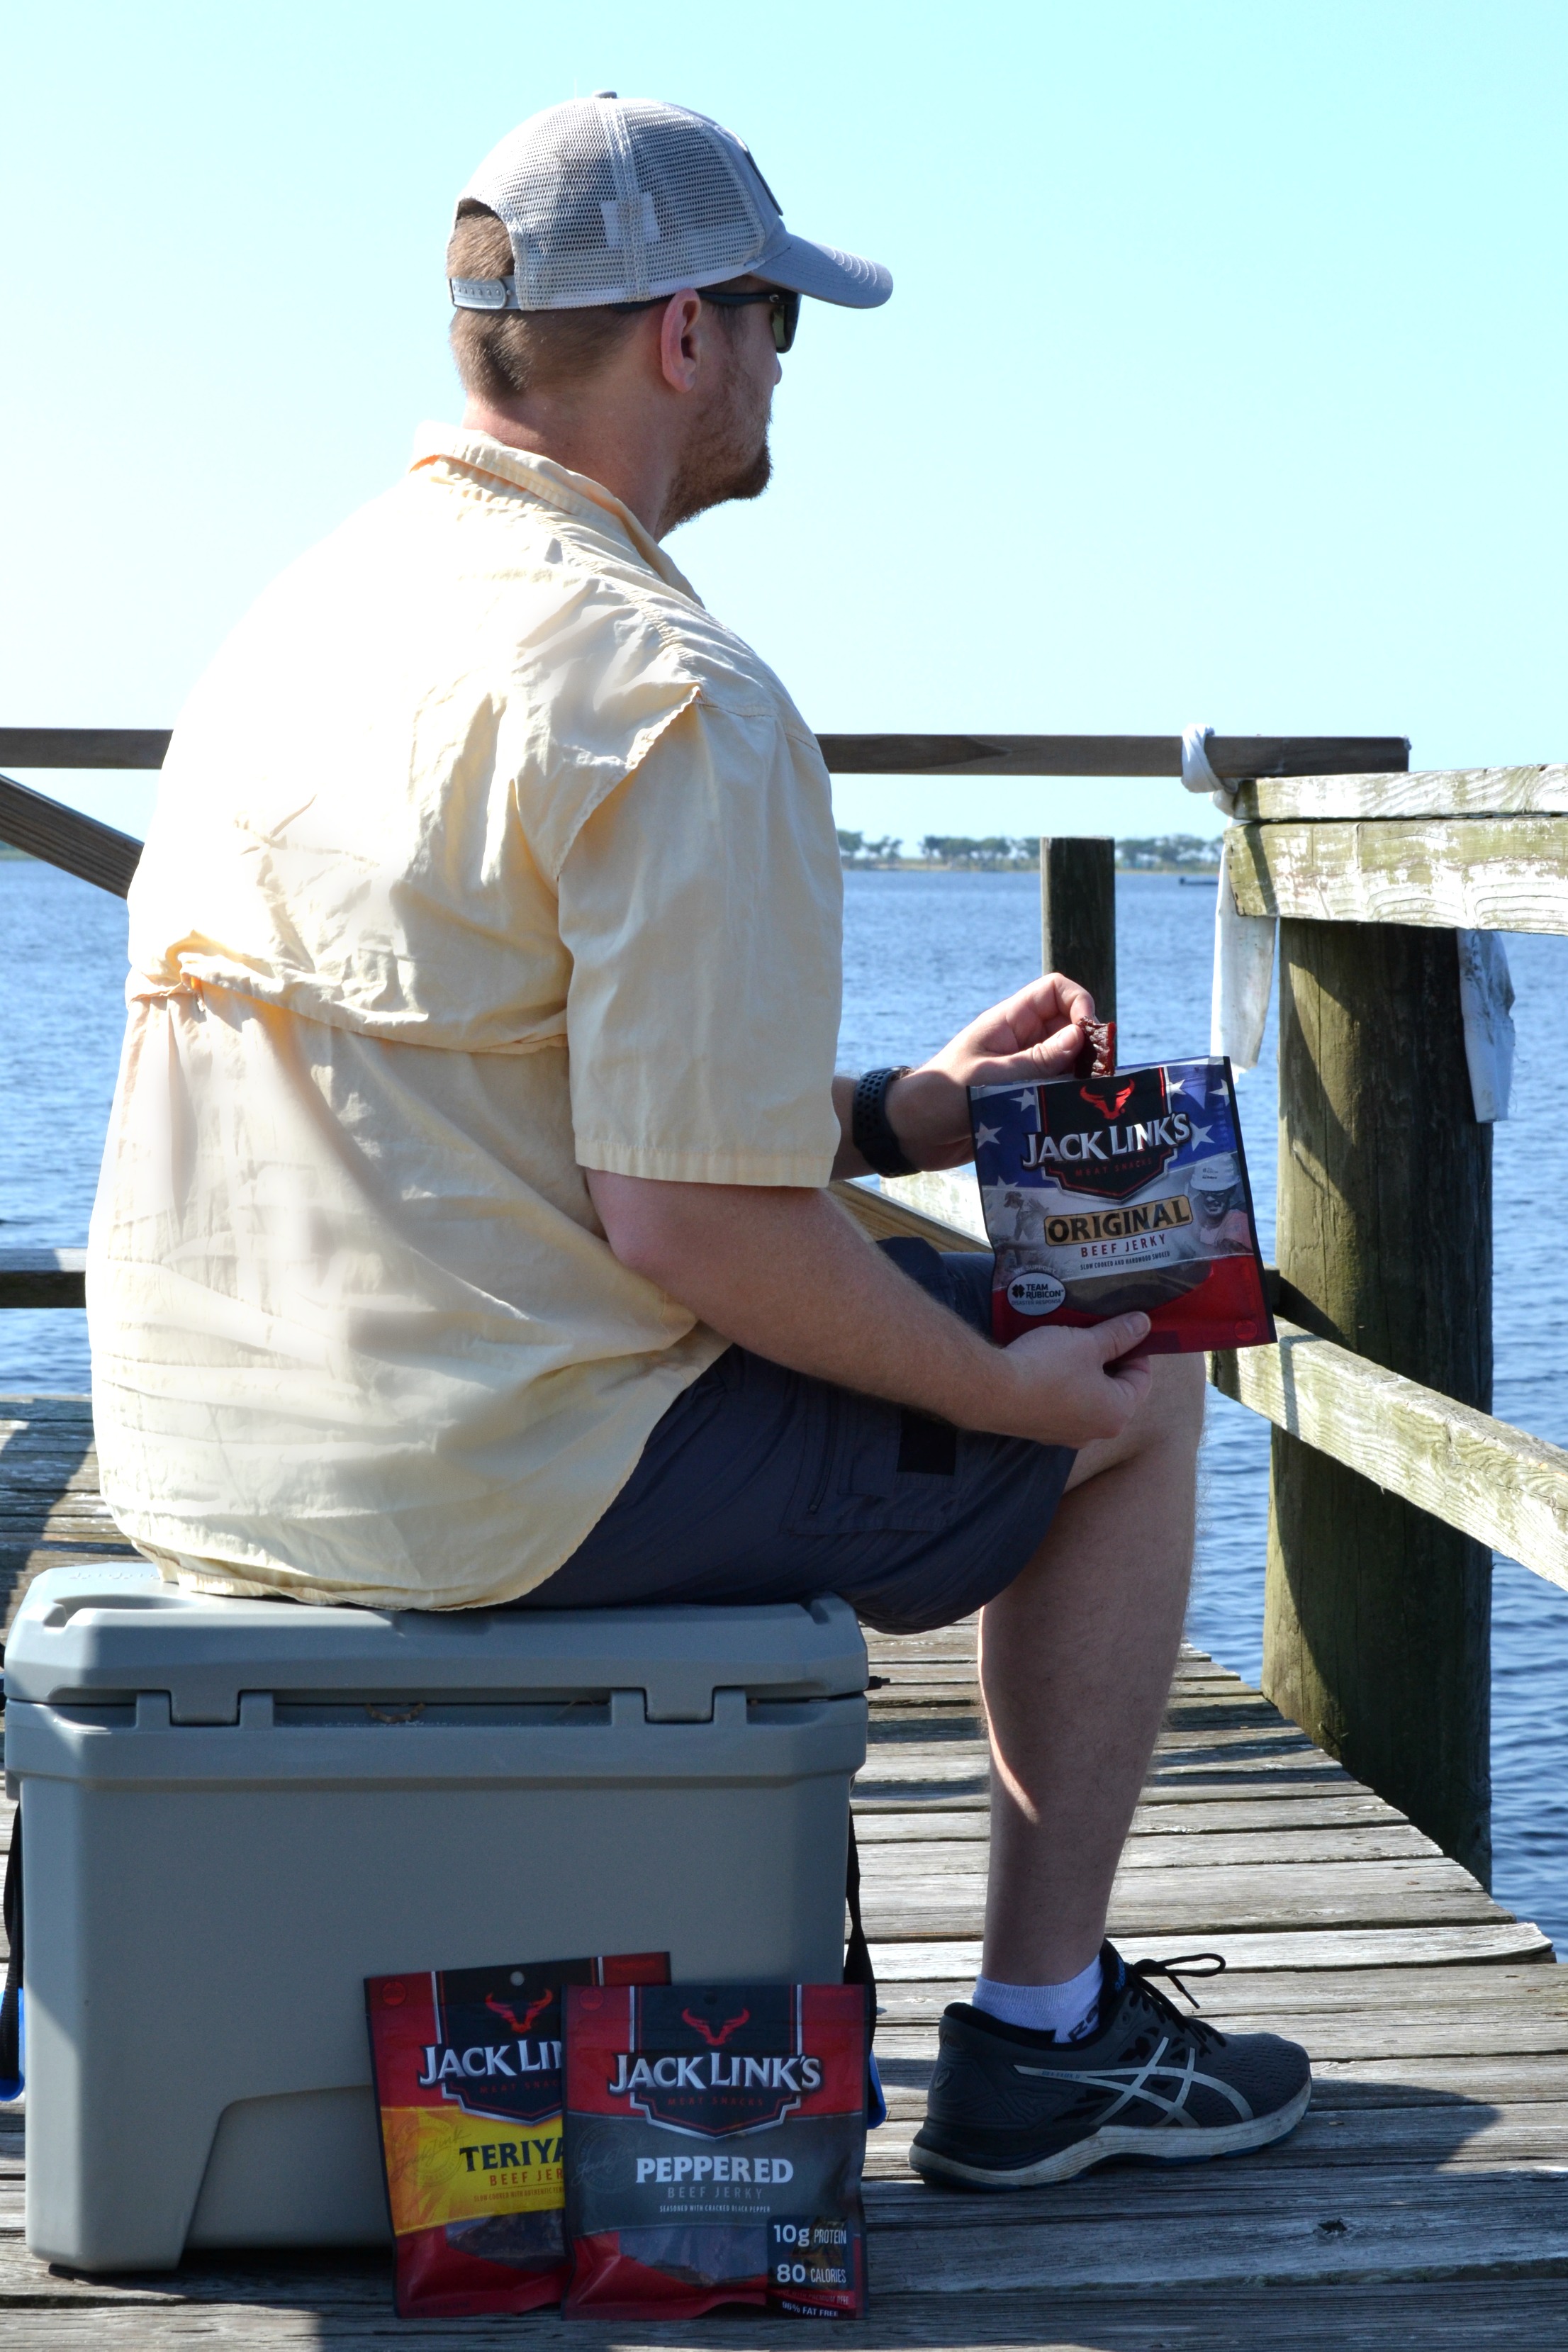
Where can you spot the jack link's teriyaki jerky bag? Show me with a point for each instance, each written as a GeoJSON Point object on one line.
{"type": "Point", "coordinates": [715, 2139]}
{"type": "Point", "coordinates": [1106, 1194]}
{"type": "Point", "coordinates": [468, 2075]}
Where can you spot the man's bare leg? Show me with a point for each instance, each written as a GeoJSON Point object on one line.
{"type": "Point", "coordinates": [1076, 1660]}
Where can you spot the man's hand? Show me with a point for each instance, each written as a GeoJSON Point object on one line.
{"type": "Point", "coordinates": [1039, 1033]}
{"type": "Point", "coordinates": [1073, 1386]}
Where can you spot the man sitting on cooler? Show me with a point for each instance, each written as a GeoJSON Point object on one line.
{"type": "Point", "coordinates": [463, 1238]}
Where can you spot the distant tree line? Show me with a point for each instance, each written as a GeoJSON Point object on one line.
{"type": "Point", "coordinates": [1002, 853]}
{"type": "Point", "coordinates": [998, 852]}
{"type": "Point", "coordinates": [1167, 853]}
{"type": "Point", "coordinates": [856, 850]}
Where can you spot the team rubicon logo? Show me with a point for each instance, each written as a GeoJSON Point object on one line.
{"type": "Point", "coordinates": [712, 2064]}
{"type": "Point", "coordinates": [1109, 1136]}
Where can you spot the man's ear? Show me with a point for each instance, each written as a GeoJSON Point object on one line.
{"type": "Point", "coordinates": [680, 341]}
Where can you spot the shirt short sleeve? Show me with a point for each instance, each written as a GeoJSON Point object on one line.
{"type": "Point", "coordinates": [702, 905]}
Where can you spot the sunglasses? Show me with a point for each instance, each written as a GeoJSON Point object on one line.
{"type": "Point", "coordinates": [783, 301]}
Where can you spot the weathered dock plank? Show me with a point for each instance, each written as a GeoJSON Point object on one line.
{"type": "Point", "coordinates": [1422, 2198]}
{"type": "Point", "coordinates": [1462, 2314]}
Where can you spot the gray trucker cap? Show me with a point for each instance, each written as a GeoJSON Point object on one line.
{"type": "Point", "coordinates": [611, 199]}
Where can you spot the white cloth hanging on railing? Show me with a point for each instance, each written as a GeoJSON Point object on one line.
{"type": "Point", "coordinates": [1244, 969]}
{"type": "Point", "coordinates": [1486, 1000]}
{"type": "Point", "coordinates": [1243, 944]}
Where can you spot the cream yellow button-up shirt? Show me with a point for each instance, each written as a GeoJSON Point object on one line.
{"type": "Point", "coordinates": [483, 854]}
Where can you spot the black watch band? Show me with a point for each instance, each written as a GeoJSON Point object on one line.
{"type": "Point", "coordinates": [870, 1128]}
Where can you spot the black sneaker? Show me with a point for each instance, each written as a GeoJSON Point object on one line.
{"type": "Point", "coordinates": [1012, 2109]}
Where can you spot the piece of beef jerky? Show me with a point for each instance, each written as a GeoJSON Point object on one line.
{"type": "Point", "coordinates": [702, 2257]}
{"type": "Point", "coordinates": [527, 2241]}
{"type": "Point", "coordinates": [1097, 1058]}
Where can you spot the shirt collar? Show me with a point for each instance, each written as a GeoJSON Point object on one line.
{"type": "Point", "coordinates": [554, 484]}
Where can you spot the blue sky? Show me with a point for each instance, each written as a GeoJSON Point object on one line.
{"type": "Point", "coordinates": [1223, 376]}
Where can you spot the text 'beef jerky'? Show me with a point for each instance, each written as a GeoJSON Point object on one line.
{"type": "Point", "coordinates": [468, 2076]}
{"type": "Point", "coordinates": [1112, 1193]}
{"type": "Point", "coordinates": [715, 2139]}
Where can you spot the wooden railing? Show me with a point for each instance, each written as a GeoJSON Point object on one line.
{"type": "Point", "coordinates": [1391, 1481]}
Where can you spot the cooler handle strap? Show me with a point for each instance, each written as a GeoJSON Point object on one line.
{"type": "Point", "coordinates": [11, 2007]}
{"type": "Point", "coordinates": [857, 1969]}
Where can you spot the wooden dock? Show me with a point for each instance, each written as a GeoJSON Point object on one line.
{"type": "Point", "coordinates": [1424, 2197]}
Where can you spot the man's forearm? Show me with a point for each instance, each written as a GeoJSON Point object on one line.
{"type": "Point", "coordinates": [1037, 1034]}
{"type": "Point", "coordinates": [784, 1272]}
{"type": "Point", "coordinates": [787, 1273]}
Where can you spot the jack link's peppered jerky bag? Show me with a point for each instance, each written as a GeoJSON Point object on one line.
{"type": "Point", "coordinates": [468, 2075]}
{"type": "Point", "coordinates": [715, 2137]}
{"type": "Point", "coordinates": [1106, 1194]}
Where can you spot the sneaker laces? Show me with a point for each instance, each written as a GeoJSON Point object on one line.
{"type": "Point", "coordinates": [1200, 1964]}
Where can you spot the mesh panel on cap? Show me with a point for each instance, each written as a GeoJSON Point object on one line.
{"type": "Point", "coordinates": [616, 201]}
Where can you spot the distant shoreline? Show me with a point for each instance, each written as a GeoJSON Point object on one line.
{"type": "Point", "coordinates": [965, 865]}
{"type": "Point", "coordinates": [889, 866]}
{"type": "Point", "coordinates": [886, 865]}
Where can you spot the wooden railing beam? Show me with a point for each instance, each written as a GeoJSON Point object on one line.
{"type": "Point", "coordinates": [62, 837]}
{"type": "Point", "coordinates": [83, 747]}
{"type": "Point", "coordinates": [1491, 1481]}
{"type": "Point", "coordinates": [1539, 791]}
{"type": "Point", "coordinates": [1476, 873]}
{"type": "Point", "coordinates": [1231, 756]}
{"type": "Point", "coordinates": [43, 1277]}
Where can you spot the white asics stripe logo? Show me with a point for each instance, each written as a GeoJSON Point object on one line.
{"type": "Point", "coordinates": [1130, 2083]}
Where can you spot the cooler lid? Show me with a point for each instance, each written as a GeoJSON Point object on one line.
{"type": "Point", "coordinates": [83, 1633]}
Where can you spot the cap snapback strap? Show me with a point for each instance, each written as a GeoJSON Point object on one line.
{"type": "Point", "coordinates": [484, 293]}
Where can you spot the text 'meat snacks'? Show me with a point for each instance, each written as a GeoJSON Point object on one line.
{"type": "Point", "coordinates": [1118, 1191]}
{"type": "Point", "coordinates": [468, 2076]}
{"type": "Point", "coordinates": [715, 2139]}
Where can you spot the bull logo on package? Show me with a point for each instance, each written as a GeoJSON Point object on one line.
{"type": "Point", "coordinates": [701, 2063]}
{"type": "Point", "coordinates": [495, 2057]}
{"type": "Point", "coordinates": [1108, 1137]}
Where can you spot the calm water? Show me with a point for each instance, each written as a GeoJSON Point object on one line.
{"type": "Point", "coordinates": [923, 952]}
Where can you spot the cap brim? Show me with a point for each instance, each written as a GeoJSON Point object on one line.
{"type": "Point", "coordinates": [822, 272]}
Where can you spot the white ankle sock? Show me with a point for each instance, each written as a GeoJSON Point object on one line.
{"type": "Point", "coordinates": [1059, 2009]}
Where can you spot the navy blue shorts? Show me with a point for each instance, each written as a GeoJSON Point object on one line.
{"type": "Point", "coordinates": [762, 1485]}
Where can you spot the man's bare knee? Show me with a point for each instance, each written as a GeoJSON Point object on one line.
{"type": "Point", "coordinates": [1173, 1410]}
{"type": "Point", "coordinates": [1170, 1421]}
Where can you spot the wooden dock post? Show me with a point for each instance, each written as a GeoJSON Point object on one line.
{"type": "Point", "coordinates": [1377, 1618]}
{"type": "Point", "coordinates": [1077, 914]}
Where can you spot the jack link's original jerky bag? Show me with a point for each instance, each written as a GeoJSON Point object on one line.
{"type": "Point", "coordinates": [1106, 1194]}
{"type": "Point", "coordinates": [468, 2075]}
{"type": "Point", "coordinates": [715, 2136]}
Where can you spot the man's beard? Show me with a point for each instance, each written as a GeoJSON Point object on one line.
{"type": "Point", "coordinates": [730, 460]}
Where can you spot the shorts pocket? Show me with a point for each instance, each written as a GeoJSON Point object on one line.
{"type": "Point", "coordinates": [878, 1470]}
